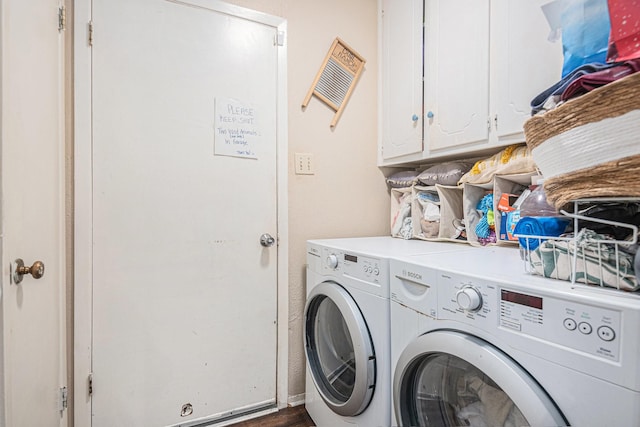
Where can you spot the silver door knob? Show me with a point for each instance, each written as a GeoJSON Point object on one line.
{"type": "Point", "coordinates": [267, 240]}
{"type": "Point", "coordinates": [36, 270]}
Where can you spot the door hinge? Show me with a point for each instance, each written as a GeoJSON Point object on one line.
{"type": "Point", "coordinates": [495, 121]}
{"type": "Point", "coordinates": [90, 33]}
{"type": "Point", "coordinates": [489, 123]}
{"type": "Point", "coordinates": [62, 18]}
{"type": "Point", "coordinates": [279, 38]}
{"type": "Point", "coordinates": [90, 384]}
{"type": "Point", "coordinates": [63, 399]}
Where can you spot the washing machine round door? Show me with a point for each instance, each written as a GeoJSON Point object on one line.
{"type": "Point", "coordinates": [448, 378]}
{"type": "Point", "coordinates": [339, 349]}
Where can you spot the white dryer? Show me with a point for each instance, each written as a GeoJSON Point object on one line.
{"type": "Point", "coordinates": [346, 328]}
{"type": "Point", "coordinates": [476, 341]}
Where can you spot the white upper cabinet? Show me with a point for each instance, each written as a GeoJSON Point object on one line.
{"type": "Point", "coordinates": [480, 63]}
{"type": "Point", "coordinates": [456, 77]}
{"type": "Point", "coordinates": [401, 77]}
{"type": "Point", "coordinates": [523, 64]}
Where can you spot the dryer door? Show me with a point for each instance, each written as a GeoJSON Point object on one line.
{"type": "Point", "coordinates": [339, 349]}
{"type": "Point", "coordinates": [448, 378]}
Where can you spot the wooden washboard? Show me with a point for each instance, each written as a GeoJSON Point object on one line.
{"type": "Point", "coordinates": [337, 77]}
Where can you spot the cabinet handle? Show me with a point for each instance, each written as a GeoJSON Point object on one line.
{"type": "Point", "coordinates": [414, 118]}
{"type": "Point", "coordinates": [430, 115]}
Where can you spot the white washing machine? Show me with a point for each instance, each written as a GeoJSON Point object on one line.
{"type": "Point", "coordinates": [346, 328]}
{"type": "Point", "coordinates": [476, 341]}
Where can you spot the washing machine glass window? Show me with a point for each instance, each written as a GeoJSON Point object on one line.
{"type": "Point", "coordinates": [339, 349]}
{"type": "Point", "coordinates": [448, 391]}
{"type": "Point", "coordinates": [447, 378]}
{"type": "Point", "coordinates": [336, 358]}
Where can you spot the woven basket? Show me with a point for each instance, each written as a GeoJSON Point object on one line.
{"type": "Point", "coordinates": [590, 146]}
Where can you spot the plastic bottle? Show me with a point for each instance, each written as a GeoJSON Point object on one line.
{"type": "Point", "coordinates": [536, 204]}
{"type": "Point", "coordinates": [537, 219]}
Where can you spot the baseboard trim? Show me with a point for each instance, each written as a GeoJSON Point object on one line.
{"type": "Point", "coordinates": [296, 400]}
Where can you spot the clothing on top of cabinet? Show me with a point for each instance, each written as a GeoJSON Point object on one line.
{"type": "Point", "coordinates": [448, 173]}
{"type": "Point", "coordinates": [514, 159]}
{"type": "Point", "coordinates": [537, 104]}
{"type": "Point", "coordinates": [589, 82]}
{"type": "Point", "coordinates": [580, 81]}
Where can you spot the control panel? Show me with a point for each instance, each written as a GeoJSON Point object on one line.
{"type": "Point", "coordinates": [465, 299]}
{"type": "Point", "coordinates": [353, 265]}
{"type": "Point", "coordinates": [586, 328]}
{"type": "Point", "coordinates": [483, 304]}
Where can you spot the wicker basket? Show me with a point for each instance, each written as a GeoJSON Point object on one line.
{"type": "Point", "coordinates": [590, 146]}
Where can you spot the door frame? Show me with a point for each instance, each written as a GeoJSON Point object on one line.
{"type": "Point", "coordinates": [83, 312]}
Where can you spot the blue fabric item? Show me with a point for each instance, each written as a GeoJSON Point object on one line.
{"type": "Point", "coordinates": [551, 226]}
{"type": "Point", "coordinates": [428, 197]}
{"type": "Point", "coordinates": [585, 33]}
{"type": "Point", "coordinates": [559, 87]}
{"type": "Point", "coordinates": [485, 205]}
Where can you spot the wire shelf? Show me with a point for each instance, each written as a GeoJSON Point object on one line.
{"type": "Point", "coordinates": [585, 256]}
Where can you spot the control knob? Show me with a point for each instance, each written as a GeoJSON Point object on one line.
{"type": "Point", "coordinates": [332, 261]}
{"type": "Point", "coordinates": [469, 298]}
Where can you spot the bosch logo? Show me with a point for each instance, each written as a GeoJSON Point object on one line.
{"type": "Point", "coordinates": [412, 275]}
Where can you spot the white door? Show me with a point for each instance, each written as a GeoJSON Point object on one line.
{"type": "Point", "coordinates": [456, 73]}
{"type": "Point", "coordinates": [401, 101]}
{"type": "Point", "coordinates": [517, 74]}
{"type": "Point", "coordinates": [33, 311]}
{"type": "Point", "coordinates": [184, 105]}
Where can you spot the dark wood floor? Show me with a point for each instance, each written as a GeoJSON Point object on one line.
{"type": "Point", "coordinates": [290, 417]}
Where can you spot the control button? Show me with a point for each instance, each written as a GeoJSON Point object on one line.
{"type": "Point", "coordinates": [570, 324]}
{"type": "Point", "coordinates": [585, 328]}
{"type": "Point", "coordinates": [606, 333]}
{"type": "Point", "coordinates": [332, 261]}
{"type": "Point", "coordinates": [469, 298]}
{"type": "Point", "coordinates": [376, 271]}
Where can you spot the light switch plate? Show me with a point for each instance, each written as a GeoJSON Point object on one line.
{"type": "Point", "coordinates": [304, 164]}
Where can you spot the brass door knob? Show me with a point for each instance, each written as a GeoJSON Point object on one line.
{"type": "Point", "coordinates": [36, 270]}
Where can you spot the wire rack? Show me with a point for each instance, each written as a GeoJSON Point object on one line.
{"type": "Point", "coordinates": [585, 256]}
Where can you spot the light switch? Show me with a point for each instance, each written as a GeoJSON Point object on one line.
{"type": "Point", "coordinates": [304, 164]}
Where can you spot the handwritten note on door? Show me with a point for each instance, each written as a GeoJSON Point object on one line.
{"type": "Point", "coordinates": [236, 129]}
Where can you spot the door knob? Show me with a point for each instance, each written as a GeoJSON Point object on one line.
{"type": "Point", "coordinates": [36, 270]}
{"type": "Point", "coordinates": [267, 240]}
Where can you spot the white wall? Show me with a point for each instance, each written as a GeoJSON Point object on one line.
{"type": "Point", "coordinates": [347, 195]}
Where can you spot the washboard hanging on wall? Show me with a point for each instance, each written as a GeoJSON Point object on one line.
{"type": "Point", "coordinates": [337, 77]}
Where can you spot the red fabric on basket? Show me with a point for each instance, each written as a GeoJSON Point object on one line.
{"type": "Point", "coordinates": [588, 82]}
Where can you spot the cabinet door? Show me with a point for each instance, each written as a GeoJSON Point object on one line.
{"type": "Point", "coordinates": [401, 76]}
{"type": "Point", "coordinates": [456, 73]}
{"type": "Point", "coordinates": [523, 64]}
